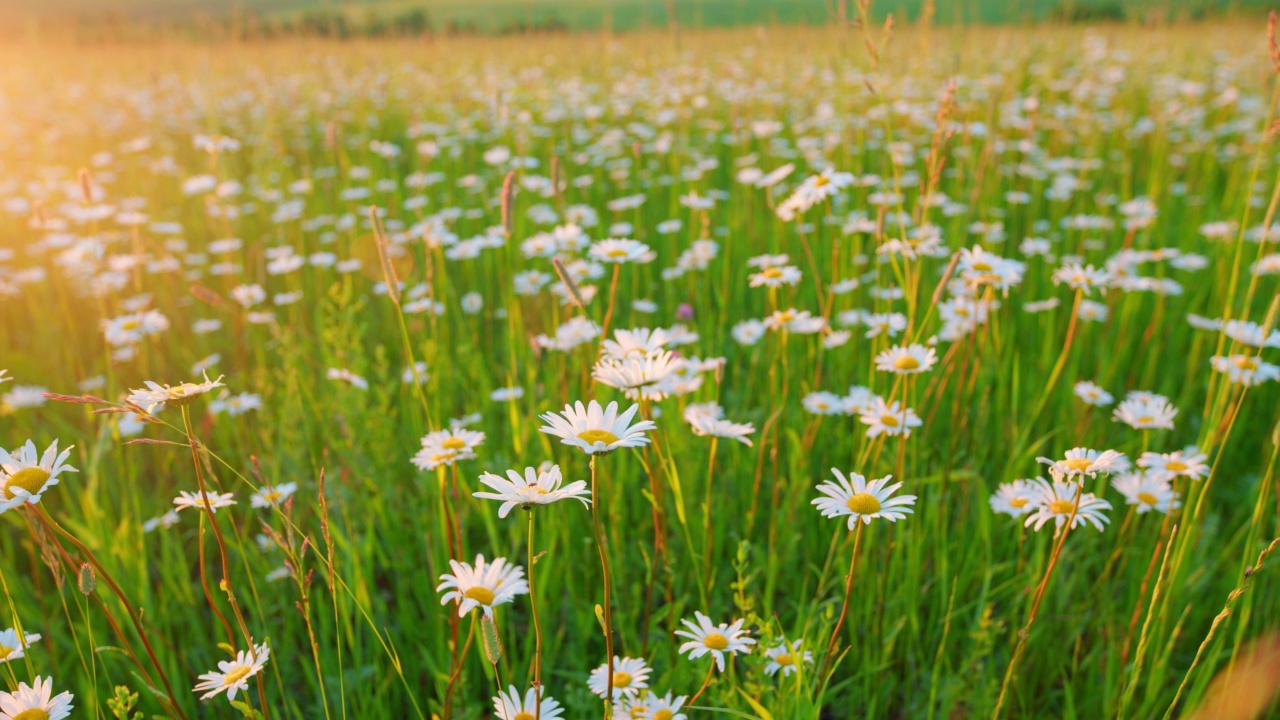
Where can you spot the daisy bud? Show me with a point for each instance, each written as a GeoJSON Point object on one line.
{"type": "Point", "coordinates": [86, 580]}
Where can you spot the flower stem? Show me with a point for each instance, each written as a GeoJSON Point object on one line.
{"type": "Point", "coordinates": [604, 568]}
{"type": "Point", "coordinates": [537, 630]}
{"type": "Point", "coordinates": [844, 609]}
{"type": "Point", "coordinates": [710, 530]}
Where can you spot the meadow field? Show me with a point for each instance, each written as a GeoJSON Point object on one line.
{"type": "Point", "coordinates": [860, 371]}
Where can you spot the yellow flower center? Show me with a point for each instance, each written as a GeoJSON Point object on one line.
{"type": "Point", "coordinates": [772, 273]}
{"type": "Point", "coordinates": [595, 436]}
{"type": "Point", "coordinates": [271, 496]}
{"type": "Point", "coordinates": [663, 714]}
{"type": "Point", "coordinates": [1078, 464]}
{"type": "Point", "coordinates": [454, 443]}
{"type": "Point", "coordinates": [1061, 507]}
{"type": "Point", "coordinates": [906, 362]}
{"type": "Point", "coordinates": [130, 325]}
{"type": "Point", "coordinates": [480, 594]}
{"type": "Point", "coordinates": [1018, 502]}
{"type": "Point", "coordinates": [981, 266]}
{"type": "Point", "coordinates": [1176, 466]}
{"type": "Point", "coordinates": [784, 660]}
{"type": "Point", "coordinates": [1246, 363]}
{"type": "Point", "coordinates": [523, 716]}
{"type": "Point", "coordinates": [864, 504]}
{"type": "Point", "coordinates": [962, 311]}
{"type": "Point", "coordinates": [5, 651]}
{"type": "Point", "coordinates": [29, 479]}
{"type": "Point", "coordinates": [820, 180]}
{"type": "Point", "coordinates": [621, 679]}
{"type": "Point", "coordinates": [617, 253]}
{"type": "Point", "coordinates": [889, 421]}
{"type": "Point", "coordinates": [715, 641]}
{"type": "Point", "coordinates": [235, 676]}
{"type": "Point", "coordinates": [32, 714]}
{"type": "Point", "coordinates": [1147, 498]}
{"type": "Point", "coordinates": [1145, 419]}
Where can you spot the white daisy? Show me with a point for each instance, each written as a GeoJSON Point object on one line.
{"type": "Point", "coordinates": [786, 657]}
{"type": "Point", "coordinates": [484, 586]}
{"type": "Point", "coordinates": [13, 648]}
{"type": "Point", "coordinates": [718, 640]}
{"type": "Point", "coordinates": [1145, 412]}
{"type": "Point", "coordinates": [178, 395]}
{"type": "Point", "coordinates": [862, 500]}
{"type": "Point", "coordinates": [25, 475]}
{"type": "Point", "coordinates": [776, 276]}
{"type": "Point", "coordinates": [532, 488]}
{"type": "Point", "coordinates": [273, 495]}
{"type": "Point", "coordinates": [907, 359]}
{"type": "Point", "coordinates": [1056, 502]}
{"type": "Point", "coordinates": [1180, 463]}
{"type": "Point", "coordinates": [1083, 461]}
{"type": "Point", "coordinates": [888, 419]}
{"type": "Point", "coordinates": [1146, 492]}
{"type": "Point", "coordinates": [619, 250]}
{"type": "Point", "coordinates": [233, 676]}
{"type": "Point", "coordinates": [1245, 370]}
{"type": "Point", "coordinates": [1092, 394]}
{"type": "Point", "coordinates": [630, 676]}
{"type": "Point", "coordinates": [33, 702]}
{"type": "Point", "coordinates": [594, 430]}
{"type": "Point", "coordinates": [446, 447]}
{"type": "Point", "coordinates": [1013, 499]}
{"type": "Point", "coordinates": [510, 706]}
{"type": "Point", "coordinates": [213, 501]}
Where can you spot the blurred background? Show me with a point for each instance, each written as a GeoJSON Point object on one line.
{"type": "Point", "coordinates": [114, 20]}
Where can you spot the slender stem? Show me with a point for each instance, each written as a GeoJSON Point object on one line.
{"type": "Point", "coordinates": [613, 293]}
{"type": "Point", "coordinates": [596, 501]}
{"type": "Point", "coordinates": [844, 608]}
{"type": "Point", "coordinates": [709, 545]}
{"type": "Point", "coordinates": [537, 629]}
{"type": "Point", "coordinates": [705, 683]}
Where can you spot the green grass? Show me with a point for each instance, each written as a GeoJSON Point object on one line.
{"type": "Point", "coordinates": [938, 597]}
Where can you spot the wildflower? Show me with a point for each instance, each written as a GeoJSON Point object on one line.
{"type": "Point", "coordinates": [1013, 499]}
{"type": "Point", "coordinates": [484, 586]}
{"type": "Point", "coordinates": [211, 501]}
{"type": "Point", "coordinates": [594, 430]}
{"type": "Point", "coordinates": [718, 640]}
{"type": "Point", "coordinates": [862, 500]}
{"type": "Point", "coordinates": [273, 495]}
{"type": "Point", "coordinates": [532, 488]}
{"type": "Point", "coordinates": [1057, 502]}
{"type": "Point", "coordinates": [179, 395]}
{"type": "Point", "coordinates": [888, 419]}
{"type": "Point", "coordinates": [33, 702]}
{"type": "Point", "coordinates": [775, 276]}
{"type": "Point", "coordinates": [1147, 492]}
{"type": "Point", "coordinates": [629, 677]}
{"type": "Point", "coordinates": [786, 658]}
{"type": "Point", "coordinates": [1188, 463]}
{"type": "Point", "coordinates": [1247, 370]}
{"type": "Point", "coordinates": [619, 251]}
{"type": "Point", "coordinates": [446, 447]}
{"type": "Point", "coordinates": [12, 647]}
{"type": "Point", "coordinates": [907, 359]}
{"type": "Point", "coordinates": [233, 676]}
{"type": "Point", "coordinates": [1083, 461]}
{"type": "Point", "coordinates": [344, 375]}
{"type": "Point", "coordinates": [26, 475]}
{"type": "Point", "coordinates": [1084, 278]}
{"type": "Point", "coordinates": [1092, 394]}
{"type": "Point", "coordinates": [1145, 412]}
{"type": "Point", "coordinates": [510, 706]}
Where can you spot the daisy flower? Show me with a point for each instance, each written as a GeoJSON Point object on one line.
{"type": "Point", "coordinates": [179, 395]}
{"type": "Point", "coordinates": [1056, 502]}
{"type": "Point", "coordinates": [786, 658]}
{"type": "Point", "coordinates": [630, 676]}
{"type": "Point", "coordinates": [484, 586]}
{"type": "Point", "coordinates": [532, 488]}
{"type": "Point", "coordinates": [704, 424]}
{"type": "Point", "coordinates": [233, 676]}
{"type": "Point", "coordinates": [638, 376]}
{"type": "Point", "coordinates": [1092, 394]}
{"type": "Point", "coordinates": [33, 702]}
{"type": "Point", "coordinates": [594, 430]}
{"type": "Point", "coordinates": [1180, 463]}
{"type": "Point", "coordinates": [907, 359]}
{"type": "Point", "coordinates": [273, 495]}
{"type": "Point", "coordinates": [13, 648]}
{"type": "Point", "coordinates": [1013, 499]}
{"type": "Point", "coordinates": [510, 706]}
{"type": "Point", "coordinates": [1145, 412]}
{"type": "Point", "coordinates": [445, 447]}
{"type": "Point", "coordinates": [776, 276]}
{"type": "Point", "coordinates": [1079, 277]}
{"type": "Point", "coordinates": [1146, 492]}
{"type": "Point", "coordinates": [212, 501]}
{"type": "Point", "coordinates": [655, 707]}
{"type": "Point", "coordinates": [4, 376]}
{"type": "Point", "coordinates": [888, 419]}
{"type": "Point", "coordinates": [1247, 370]}
{"type": "Point", "coordinates": [821, 402]}
{"type": "Point", "coordinates": [617, 251]}
{"type": "Point", "coordinates": [25, 475]}
{"type": "Point", "coordinates": [717, 640]}
{"type": "Point", "coordinates": [637, 341]}
{"type": "Point", "coordinates": [862, 500]}
{"type": "Point", "coordinates": [1083, 461]}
